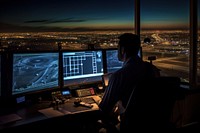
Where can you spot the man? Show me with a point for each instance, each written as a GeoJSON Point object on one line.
{"type": "Point", "coordinates": [123, 81]}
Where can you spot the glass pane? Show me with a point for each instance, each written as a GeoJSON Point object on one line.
{"type": "Point", "coordinates": [74, 24]}
{"type": "Point", "coordinates": [165, 34]}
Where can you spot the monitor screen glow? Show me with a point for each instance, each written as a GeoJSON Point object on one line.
{"type": "Point", "coordinates": [34, 72]}
{"type": "Point", "coordinates": [112, 61]}
{"type": "Point", "coordinates": [106, 78]}
{"type": "Point", "coordinates": [82, 67]}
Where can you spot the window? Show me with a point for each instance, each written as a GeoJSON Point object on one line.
{"type": "Point", "coordinates": [99, 23]}
{"type": "Point", "coordinates": [167, 27]}
{"type": "Point", "coordinates": [73, 24]}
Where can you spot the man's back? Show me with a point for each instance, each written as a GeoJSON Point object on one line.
{"type": "Point", "coordinates": [121, 83]}
{"type": "Point", "coordinates": [151, 104]}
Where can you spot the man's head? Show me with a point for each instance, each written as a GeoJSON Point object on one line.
{"type": "Point", "coordinates": [128, 46]}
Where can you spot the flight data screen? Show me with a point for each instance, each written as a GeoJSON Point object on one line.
{"type": "Point", "coordinates": [34, 72]}
{"type": "Point", "coordinates": [80, 67]}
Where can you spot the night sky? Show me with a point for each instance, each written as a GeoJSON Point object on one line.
{"type": "Point", "coordinates": [61, 15]}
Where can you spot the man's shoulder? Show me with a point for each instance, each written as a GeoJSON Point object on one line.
{"type": "Point", "coordinates": [117, 72]}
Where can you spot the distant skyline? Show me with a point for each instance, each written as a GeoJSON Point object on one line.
{"type": "Point", "coordinates": [64, 15]}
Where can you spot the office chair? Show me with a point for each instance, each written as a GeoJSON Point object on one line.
{"type": "Point", "coordinates": [151, 105]}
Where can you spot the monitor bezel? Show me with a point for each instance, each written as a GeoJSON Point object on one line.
{"type": "Point", "coordinates": [4, 75]}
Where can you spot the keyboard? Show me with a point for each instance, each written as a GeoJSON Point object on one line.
{"type": "Point", "coordinates": [88, 100]}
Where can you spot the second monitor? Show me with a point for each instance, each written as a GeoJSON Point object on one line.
{"type": "Point", "coordinates": [82, 67]}
{"type": "Point", "coordinates": [112, 61]}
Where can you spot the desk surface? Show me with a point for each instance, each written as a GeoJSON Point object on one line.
{"type": "Point", "coordinates": [43, 111]}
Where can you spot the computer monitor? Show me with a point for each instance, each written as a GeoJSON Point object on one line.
{"type": "Point", "coordinates": [82, 67]}
{"type": "Point", "coordinates": [33, 72]}
{"type": "Point", "coordinates": [112, 60]}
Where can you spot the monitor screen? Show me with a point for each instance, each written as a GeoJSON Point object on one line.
{"type": "Point", "coordinates": [112, 61]}
{"type": "Point", "coordinates": [34, 72]}
{"type": "Point", "coordinates": [82, 67]}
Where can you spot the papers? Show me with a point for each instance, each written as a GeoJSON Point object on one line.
{"type": "Point", "coordinates": [51, 112]}
{"type": "Point", "coordinates": [9, 118]}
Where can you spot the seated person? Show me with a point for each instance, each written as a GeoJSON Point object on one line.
{"type": "Point", "coordinates": [123, 81]}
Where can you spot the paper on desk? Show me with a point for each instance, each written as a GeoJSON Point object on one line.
{"type": "Point", "coordinates": [51, 112]}
{"type": "Point", "coordinates": [64, 111]}
{"type": "Point", "coordinates": [9, 118]}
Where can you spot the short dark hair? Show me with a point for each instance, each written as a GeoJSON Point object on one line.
{"type": "Point", "coordinates": [131, 43]}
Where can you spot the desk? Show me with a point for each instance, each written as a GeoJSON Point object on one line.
{"type": "Point", "coordinates": [40, 116]}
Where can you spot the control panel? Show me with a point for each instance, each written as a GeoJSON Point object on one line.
{"type": "Point", "coordinates": [85, 92]}
{"type": "Point", "coordinates": [60, 96]}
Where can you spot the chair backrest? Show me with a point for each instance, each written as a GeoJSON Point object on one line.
{"type": "Point", "coordinates": [151, 104]}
